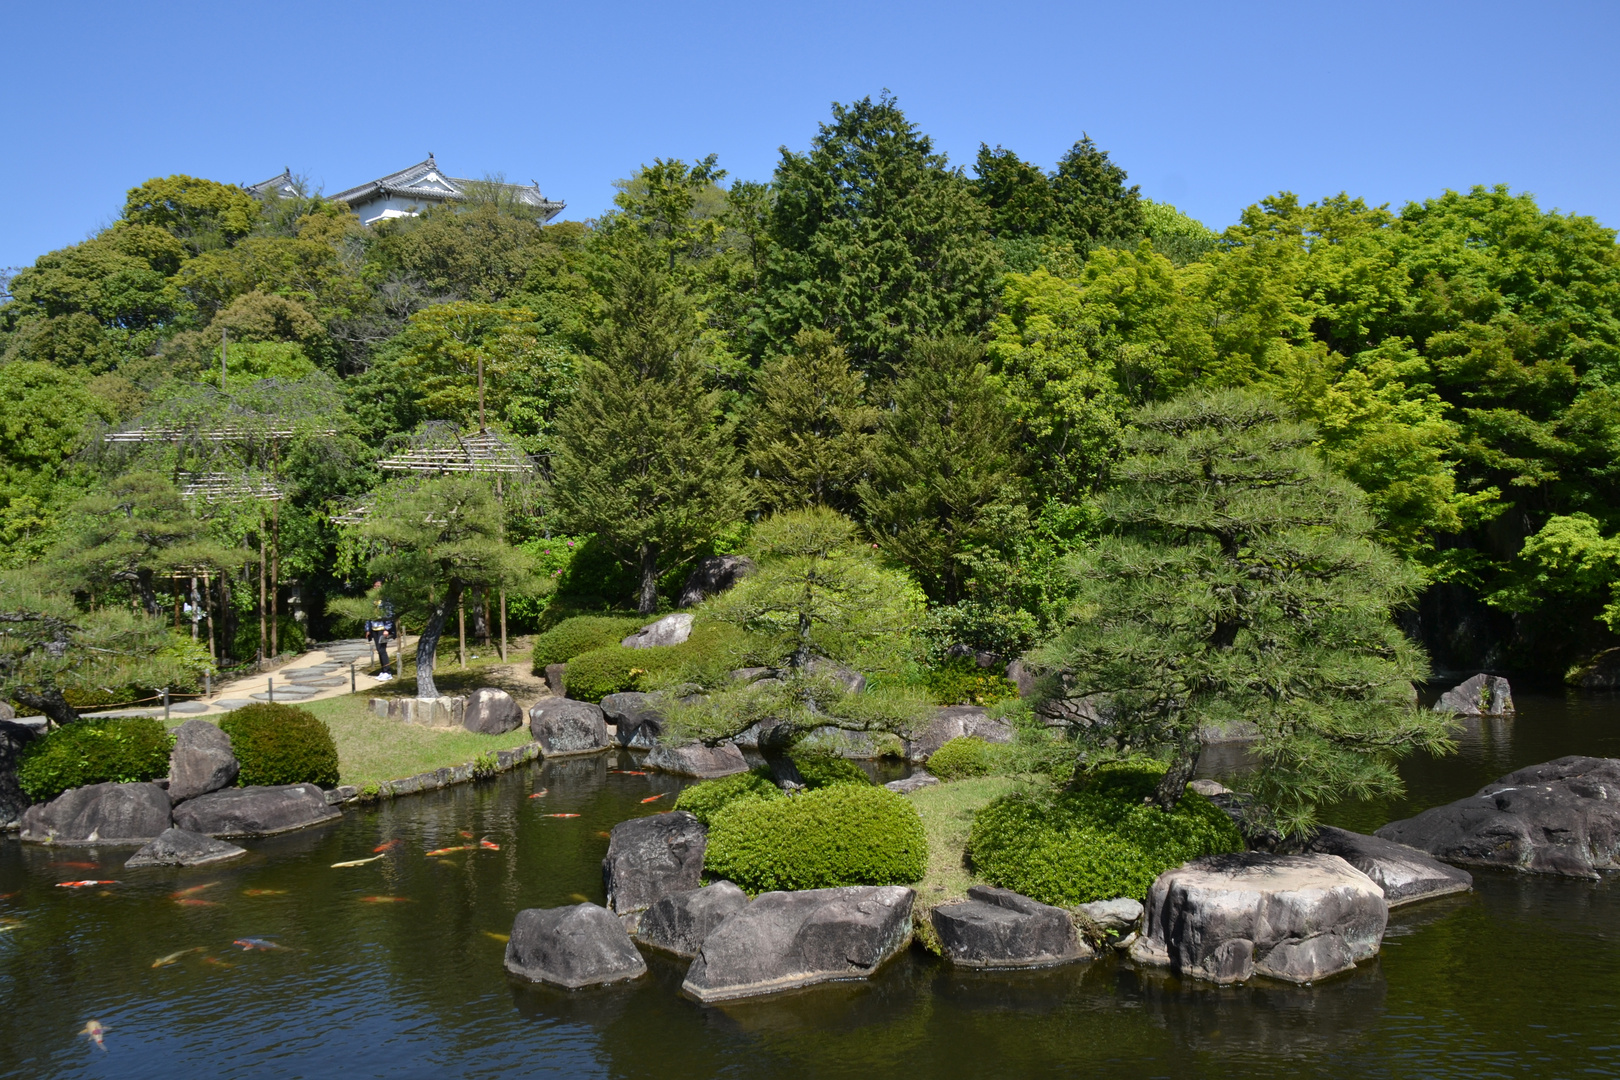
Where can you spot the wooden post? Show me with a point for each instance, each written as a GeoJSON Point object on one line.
{"type": "Point", "coordinates": [195, 601]}
{"type": "Point", "coordinates": [481, 393]}
{"type": "Point", "coordinates": [263, 552]}
{"type": "Point", "coordinates": [208, 614]}
{"type": "Point", "coordinates": [174, 584]}
{"type": "Point", "coordinates": [275, 578]}
{"type": "Point", "coordinates": [461, 625]}
{"type": "Point", "coordinates": [503, 626]}
{"type": "Point", "coordinates": [483, 602]}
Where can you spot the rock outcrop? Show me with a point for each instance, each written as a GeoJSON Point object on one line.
{"type": "Point", "coordinates": [681, 923]}
{"type": "Point", "coordinates": [1227, 918]}
{"type": "Point", "coordinates": [177, 847]}
{"type": "Point", "coordinates": [915, 782]}
{"type": "Point", "coordinates": [1404, 874]}
{"type": "Point", "coordinates": [1113, 918]}
{"type": "Point", "coordinates": [1481, 695]}
{"type": "Point", "coordinates": [695, 759]}
{"type": "Point", "coordinates": [563, 726]}
{"type": "Point", "coordinates": [714, 574]}
{"type": "Point", "coordinates": [650, 858]}
{"type": "Point", "coordinates": [788, 939]}
{"type": "Point", "coordinates": [670, 630]}
{"type": "Point", "coordinates": [954, 722]}
{"type": "Point", "coordinates": [255, 811]}
{"type": "Point", "coordinates": [635, 717]}
{"type": "Point", "coordinates": [1600, 672]}
{"type": "Point", "coordinates": [491, 712]}
{"type": "Point", "coordinates": [201, 760]}
{"type": "Point", "coordinates": [1562, 817]}
{"type": "Point", "coordinates": [571, 947]}
{"type": "Point", "coordinates": [99, 812]}
{"type": "Point", "coordinates": [999, 928]}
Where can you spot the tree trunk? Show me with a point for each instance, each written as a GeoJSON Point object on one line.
{"type": "Point", "coordinates": [1181, 770]}
{"type": "Point", "coordinates": [50, 703]}
{"type": "Point", "coordinates": [13, 737]}
{"type": "Point", "coordinates": [648, 602]}
{"type": "Point", "coordinates": [428, 644]}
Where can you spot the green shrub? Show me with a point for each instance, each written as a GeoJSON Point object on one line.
{"type": "Point", "coordinates": [962, 757]}
{"type": "Point", "coordinates": [960, 681]}
{"type": "Point", "coordinates": [705, 800]}
{"type": "Point", "coordinates": [819, 768]}
{"type": "Point", "coordinates": [581, 634]}
{"type": "Point", "coordinates": [280, 744]}
{"type": "Point", "coordinates": [846, 834]}
{"type": "Point", "coordinates": [704, 658]}
{"type": "Point", "coordinates": [1095, 844]}
{"type": "Point", "coordinates": [94, 752]}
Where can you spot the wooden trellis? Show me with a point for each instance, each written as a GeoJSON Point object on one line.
{"type": "Point", "coordinates": [450, 452]}
{"type": "Point", "coordinates": [223, 487]}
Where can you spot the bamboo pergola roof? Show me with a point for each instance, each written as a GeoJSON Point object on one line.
{"type": "Point", "coordinates": [238, 434]}
{"type": "Point", "coordinates": [223, 487]}
{"type": "Point", "coordinates": [440, 452]}
{"type": "Point", "coordinates": [354, 515]}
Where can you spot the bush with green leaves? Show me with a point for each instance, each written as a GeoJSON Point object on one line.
{"type": "Point", "coordinates": [821, 768]}
{"type": "Point", "coordinates": [845, 834]}
{"type": "Point", "coordinates": [1097, 843]}
{"type": "Point", "coordinates": [706, 800]}
{"type": "Point", "coordinates": [582, 634]}
{"type": "Point", "coordinates": [280, 744]}
{"type": "Point", "coordinates": [963, 757]}
{"type": "Point", "coordinates": [703, 658]}
{"type": "Point", "coordinates": [959, 681]}
{"type": "Point", "coordinates": [94, 752]}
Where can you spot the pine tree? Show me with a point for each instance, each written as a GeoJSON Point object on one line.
{"type": "Point", "coordinates": [1092, 199]}
{"type": "Point", "coordinates": [944, 457]}
{"type": "Point", "coordinates": [811, 436]}
{"type": "Point", "coordinates": [1242, 583]}
{"type": "Point", "coordinates": [643, 458]}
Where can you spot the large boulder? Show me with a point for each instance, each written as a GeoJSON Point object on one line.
{"type": "Point", "coordinates": [1481, 695]}
{"type": "Point", "coordinates": [649, 858]}
{"type": "Point", "coordinates": [714, 574]}
{"type": "Point", "coordinates": [695, 759]}
{"type": "Point", "coordinates": [557, 679]}
{"type": "Point", "coordinates": [563, 726]}
{"type": "Point", "coordinates": [999, 928]}
{"type": "Point", "coordinates": [915, 782]}
{"type": "Point", "coordinates": [788, 939]}
{"type": "Point", "coordinates": [1227, 918]}
{"type": "Point", "coordinates": [99, 812]}
{"type": "Point", "coordinates": [571, 947]}
{"type": "Point", "coordinates": [1020, 675]}
{"type": "Point", "coordinates": [1113, 918]}
{"type": "Point", "coordinates": [682, 922]}
{"type": "Point", "coordinates": [255, 811]}
{"type": "Point", "coordinates": [1601, 672]}
{"type": "Point", "coordinates": [1562, 817]}
{"type": "Point", "coordinates": [670, 630]}
{"type": "Point", "coordinates": [636, 718]}
{"type": "Point", "coordinates": [1405, 874]}
{"type": "Point", "coordinates": [491, 712]}
{"type": "Point", "coordinates": [177, 847]}
{"type": "Point", "coordinates": [201, 760]}
{"type": "Point", "coordinates": [954, 722]}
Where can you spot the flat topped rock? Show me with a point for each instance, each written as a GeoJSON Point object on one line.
{"type": "Point", "coordinates": [571, 947]}
{"type": "Point", "coordinates": [695, 759]}
{"type": "Point", "coordinates": [682, 922]}
{"type": "Point", "coordinates": [99, 813]}
{"type": "Point", "coordinates": [670, 630]}
{"type": "Point", "coordinates": [788, 939]}
{"type": "Point", "coordinates": [637, 718]}
{"type": "Point", "coordinates": [1227, 918]}
{"type": "Point", "coordinates": [1001, 929]}
{"type": "Point", "coordinates": [177, 847]}
{"type": "Point", "coordinates": [955, 722]}
{"type": "Point", "coordinates": [1405, 874]}
{"type": "Point", "coordinates": [915, 782]}
{"type": "Point", "coordinates": [649, 858]}
{"type": "Point", "coordinates": [563, 726]}
{"type": "Point", "coordinates": [1118, 916]}
{"type": "Point", "coordinates": [232, 703]}
{"type": "Point", "coordinates": [188, 708]}
{"type": "Point", "coordinates": [255, 811]}
{"type": "Point", "coordinates": [1561, 817]}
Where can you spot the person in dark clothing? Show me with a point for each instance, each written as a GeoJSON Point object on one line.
{"type": "Point", "coordinates": [379, 630]}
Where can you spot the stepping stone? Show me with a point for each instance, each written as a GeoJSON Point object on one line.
{"type": "Point", "coordinates": [315, 682]}
{"type": "Point", "coordinates": [288, 693]}
{"type": "Point", "coordinates": [189, 708]}
{"type": "Point", "coordinates": [231, 703]}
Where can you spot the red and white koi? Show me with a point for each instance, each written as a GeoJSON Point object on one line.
{"type": "Point", "coordinates": [94, 1031]}
{"type": "Point", "coordinates": [449, 850]}
{"type": "Point", "coordinates": [82, 884]}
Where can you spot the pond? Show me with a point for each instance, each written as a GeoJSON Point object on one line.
{"type": "Point", "coordinates": [393, 968]}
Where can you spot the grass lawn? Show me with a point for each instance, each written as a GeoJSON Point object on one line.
{"type": "Point", "coordinates": [947, 815]}
{"type": "Point", "coordinates": [372, 749]}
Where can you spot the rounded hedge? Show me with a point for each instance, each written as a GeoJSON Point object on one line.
{"type": "Point", "coordinates": [846, 834]}
{"type": "Point", "coordinates": [819, 769]}
{"type": "Point", "coordinates": [126, 750]}
{"type": "Point", "coordinates": [705, 800]}
{"type": "Point", "coordinates": [962, 757]}
{"type": "Point", "coordinates": [280, 744]}
{"type": "Point", "coordinates": [614, 669]}
{"type": "Point", "coordinates": [1095, 844]}
{"type": "Point", "coordinates": [581, 634]}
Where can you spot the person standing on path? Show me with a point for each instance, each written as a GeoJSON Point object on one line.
{"type": "Point", "coordinates": [380, 629]}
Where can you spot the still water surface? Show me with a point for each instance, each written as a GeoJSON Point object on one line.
{"type": "Point", "coordinates": [391, 969]}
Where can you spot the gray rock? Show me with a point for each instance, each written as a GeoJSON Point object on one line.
{"type": "Point", "coordinates": [788, 939]}
{"type": "Point", "coordinates": [649, 858]}
{"type": "Point", "coordinates": [999, 928]}
{"type": "Point", "coordinates": [201, 760]}
{"type": "Point", "coordinates": [1562, 817]}
{"type": "Point", "coordinates": [187, 708]}
{"type": "Point", "coordinates": [563, 726]}
{"type": "Point", "coordinates": [6, 711]}
{"type": "Point", "coordinates": [681, 923]}
{"type": "Point", "coordinates": [695, 759]}
{"type": "Point", "coordinates": [444, 711]}
{"type": "Point", "coordinates": [491, 712]}
{"type": "Point", "coordinates": [255, 811]}
{"type": "Point", "coordinates": [1227, 918]}
{"type": "Point", "coordinates": [177, 847]}
{"type": "Point", "coordinates": [851, 680]}
{"type": "Point", "coordinates": [99, 812]}
{"type": "Point", "coordinates": [571, 947]}
{"type": "Point", "coordinates": [915, 782]}
{"type": "Point", "coordinates": [1601, 672]}
{"type": "Point", "coordinates": [714, 574]}
{"type": "Point", "coordinates": [557, 679]}
{"type": "Point", "coordinates": [14, 735]}
{"type": "Point", "coordinates": [1208, 788]}
{"type": "Point", "coordinates": [954, 722]}
{"type": "Point", "coordinates": [1118, 916]}
{"type": "Point", "coordinates": [1405, 874]}
{"type": "Point", "coordinates": [753, 674]}
{"type": "Point", "coordinates": [1022, 677]}
{"type": "Point", "coordinates": [636, 719]}
{"type": "Point", "coordinates": [1480, 695]}
{"type": "Point", "coordinates": [670, 630]}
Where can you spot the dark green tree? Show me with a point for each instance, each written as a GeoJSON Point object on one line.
{"type": "Point", "coordinates": [1242, 583]}
{"type": "Point", "coordinates": [130, 531]}
{"type": "Point", "coordinates": [1017, 194]}
{"type": "Point", "coordinates": [1092, 200]}
{"type": "Point", "coordinates": [944, 456]}
{"type": "Point", "coordinates": [644, 459]}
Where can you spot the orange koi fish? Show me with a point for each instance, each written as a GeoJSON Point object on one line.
{"type": "Point", "coordinates": [193, 891]}
{"type": "Point", "coordinates": [655, 798]}
{"type": "Point", "coordinates": [387, 845]}
{"type": "Point", "coordinates": [542, 793]}
{"type": "Point", "coordinates": [449, 850]}
{"type": "Point", "coordinates": [81, 884]}
{"type": "Point", "coordinates": [627, 772]}
{"type": "Point", "coordinates": [581, 897]}
{"type": "Point", "coordinates": [489, 845]}
{"type": "Point", "coordinates": [79, 865]}
{"type": "Point", "coordinates": [192, 901]}
{"type": "Point", "coordinates": [604, 834]}
{"type": "Point", "coordinates": [465, 835]}
{"type": "Point", "coordinates": [385, 899]}
{"type": "Point", "coordinates": [174, 957]}
{"type": "Point", "coordinates": [264, 892]}
{"type": "Point", "coordinates": [7, 895]}
{"type": "Point", "coordinates": [217, 962]}
{"type": "Point", "coordinates": [94, 1031]}
{"type": "Point", "coordinates": [559, 815]}
{"type": "Point", "coordinates": [493, 936]}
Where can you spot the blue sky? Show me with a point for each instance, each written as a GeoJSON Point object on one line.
{"type": "Point", "coordinates": [1208, 105]}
